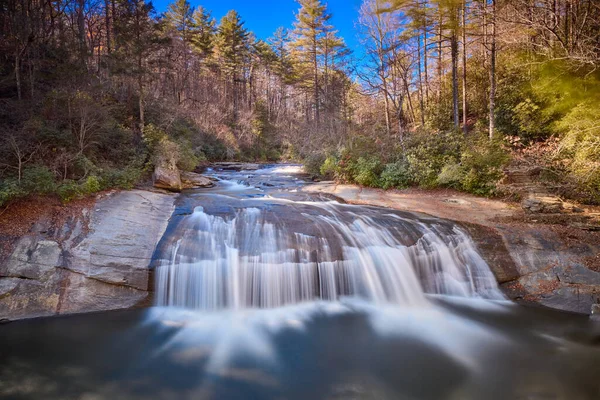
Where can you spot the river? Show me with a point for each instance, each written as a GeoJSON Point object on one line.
{"type": "Point", "coordinates": [265, 291]}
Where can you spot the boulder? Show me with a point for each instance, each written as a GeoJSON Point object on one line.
{"type": "Point", "coordinates": [542, 205]}
{"type": "Point", "coordinates": [191, 180]}
{"type": "Point", "coordinates": [167, 178]}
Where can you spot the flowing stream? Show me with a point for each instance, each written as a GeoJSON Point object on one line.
{"type": "Point", "coordinates": [264, 246]}
{"type": "Point", "coordinates": [266, 292]}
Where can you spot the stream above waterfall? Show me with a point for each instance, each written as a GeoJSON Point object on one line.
{"type": "Point", "coordinates": [263, 291]}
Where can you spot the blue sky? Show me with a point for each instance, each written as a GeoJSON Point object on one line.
{"type": "Point", "coordinates": [263, 17]}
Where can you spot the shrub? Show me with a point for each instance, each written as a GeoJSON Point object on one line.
{"type": "Point", "coordinates": [312, 164]}
{"type": "Point", "coordinates": [37, 179]}
{"type": "Point", "coordinates": [91, 185]}
{"type": "Point", "coordinates": [367, 171]}
{"type": "Point", "coordinates": [329, 168]}
{"type": "Point", "coordinates": [483, 162]}
{"type": "Point", "coordinates": [451, 176]}
{"type": "Point", "coordinates": [428, 153]}
{"type": "Point", "coordinates": [187, 158]}
{"type": "Point", "coordinates": [9, 191]}
{"type": "Point", "coordinates": [68, 190]}
{"type": "Point", "coordinates": [395, 175]}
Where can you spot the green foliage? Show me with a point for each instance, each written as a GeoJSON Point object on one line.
{"type": "Point", "coordinates": [329, 168]}
{"type": "Point", "coordinates": [188, 158]}
{"type": "Point", "coordinates": [91, 185]}
{"type": "Point", "coordinates": [483, 164]}
{"type": "Point", "coordinates": [37, 179]}
{"type": "Point", "coordinates": [68, 190]}
{"type": "Point", "coordinates": [580, 147]}
{"type": "Point", "coordinates": [10, 190]}
{"type": "Point", "coordinates": [366, 171]}
{"type": "Point", "coordinates": [312, 164]}
{"type": "Point", "coordinates": [428, 153]}
{"type": "Point", "coordinates": [396, 175]}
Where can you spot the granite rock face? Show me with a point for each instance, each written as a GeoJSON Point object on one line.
{"type": "Point", "coordinates": [167, 178]}
{"type": "Point", "coordinates": [98, 261]}
{"type": "Point", "coordinates": [191, 180]}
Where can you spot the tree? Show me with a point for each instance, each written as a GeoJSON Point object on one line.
{"type": "Point", "coordinates": [204, 30]}
{"type": "Point", "coordinates": [310, 30]}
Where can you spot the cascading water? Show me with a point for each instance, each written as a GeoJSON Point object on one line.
{"type": "Point", "coordinates": [257, 250]}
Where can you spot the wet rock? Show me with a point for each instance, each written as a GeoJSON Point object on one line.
{"type": "Point", "coordinates": [191, 180]}
{"type": "Point", "coordinates": [595, 311]}
{"type": "Point", "coordinates": [167, 178]}
{"type": "Point", "coordinates": [546, 205]}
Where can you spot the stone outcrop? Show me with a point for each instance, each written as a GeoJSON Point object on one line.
{"type": "Point", "coordinates": [191, 180]}
{"type": "Point", "coordinates": [97, 261]}
{"type": "Point", "coordinates": [542, 205]}
{"type": "Point", "coordinates": [236, 166]}
{"type": "Point", "coordinates": [167, 178]}
{"type": "Point", "coordinates": [542, 258]}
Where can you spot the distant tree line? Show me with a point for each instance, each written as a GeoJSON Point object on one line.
{"type": "Point", "coordinates": [93, 92]}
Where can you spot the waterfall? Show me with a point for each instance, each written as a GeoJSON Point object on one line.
{"type": "Point", "coordinates": [260, 256]}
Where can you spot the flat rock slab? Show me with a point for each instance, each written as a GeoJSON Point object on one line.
{"type": "Point", "coordinates": [124, 231]}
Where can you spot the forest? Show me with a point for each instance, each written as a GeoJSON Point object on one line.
{"type": "Point", "coordinates": [94, 94]}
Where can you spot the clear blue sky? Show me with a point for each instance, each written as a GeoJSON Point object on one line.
{"type": "Point", "coordinates": [263, 17]}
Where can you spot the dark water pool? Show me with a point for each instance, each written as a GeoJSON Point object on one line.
{"type": "Point", "coordinates": [453, 349]}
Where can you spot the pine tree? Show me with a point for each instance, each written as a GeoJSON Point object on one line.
{"type": "Point", "coordinates": [310, 29]}
{"type": "Point", "coordinates": [179, 18]}
{"type": "Point", "coordinates": [232, 44]}
{"type": "Point", "coordinates": [204, 30]}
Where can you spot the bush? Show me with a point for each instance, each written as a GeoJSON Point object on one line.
{"type": "Point", "coordinates": [451, 176]}
{"type": "Point", "coordinates": [396, 175]}
{"type": "Point", "coordinates": [68, 190]}
{"type": "Point", "coordinates": [37, 179]}
{"type": "Point", "coordinates": [329, 168]}
{"type": "Point", "coordinates": [187, 158]}
{"type": "Point", "coordinates": [9, 191]}
{"type": "Point", "coordinates": [367, 171]}
{"type": "Point", "coordinates": [427, 153]}
{"type": "Point", "coordinates": [91, 185]}
{"type": "Point", "coordinates": [312, 164]}
{"type": "Point", "coordinates": [480, 168]}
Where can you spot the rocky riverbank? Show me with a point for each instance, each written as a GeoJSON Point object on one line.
{"type": "Point", "coordinates": [94, 259]}
{"type": "Point", "coordinates": [541, 258]}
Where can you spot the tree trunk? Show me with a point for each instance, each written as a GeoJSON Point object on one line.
{"type": "Point", "coordinates": [425, 62]}
{"type": "Point", "coordinates": [439, 63]}
{"type": "Point", "coordinates": [464, 62]}
{"type": "Point", "coordinates": [107, 21]}
{"type": "Point", "coordinates": [454, 51]}
{"type": "Point", "coordinates": [316, 83]}
{"type": "Point", "coordinates": [141, 96]}
{"type": "Point", "coordinates": [493, 72]}
{"type": "Point", "coordinates": [82, 38]}
{"type": "Point", "coordinates": [420, 81]}
{"type": "Point", "coordinates": [18, 73]}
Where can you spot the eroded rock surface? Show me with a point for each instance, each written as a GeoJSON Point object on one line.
{"type": "Point", "coordinates": [192, 180]}
{"type": "Point", "coordinates": [167, 178]}
{"type": "Point", "coordinates": [551, 264]}
{"type": "Point", "coordinates": [97, 261]}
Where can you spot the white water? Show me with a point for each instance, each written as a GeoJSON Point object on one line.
{"type": "Point", "coordinates": [251, 259]}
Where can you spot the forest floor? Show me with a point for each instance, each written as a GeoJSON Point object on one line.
{"type": "Point", "coordinates": [20, 217]}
